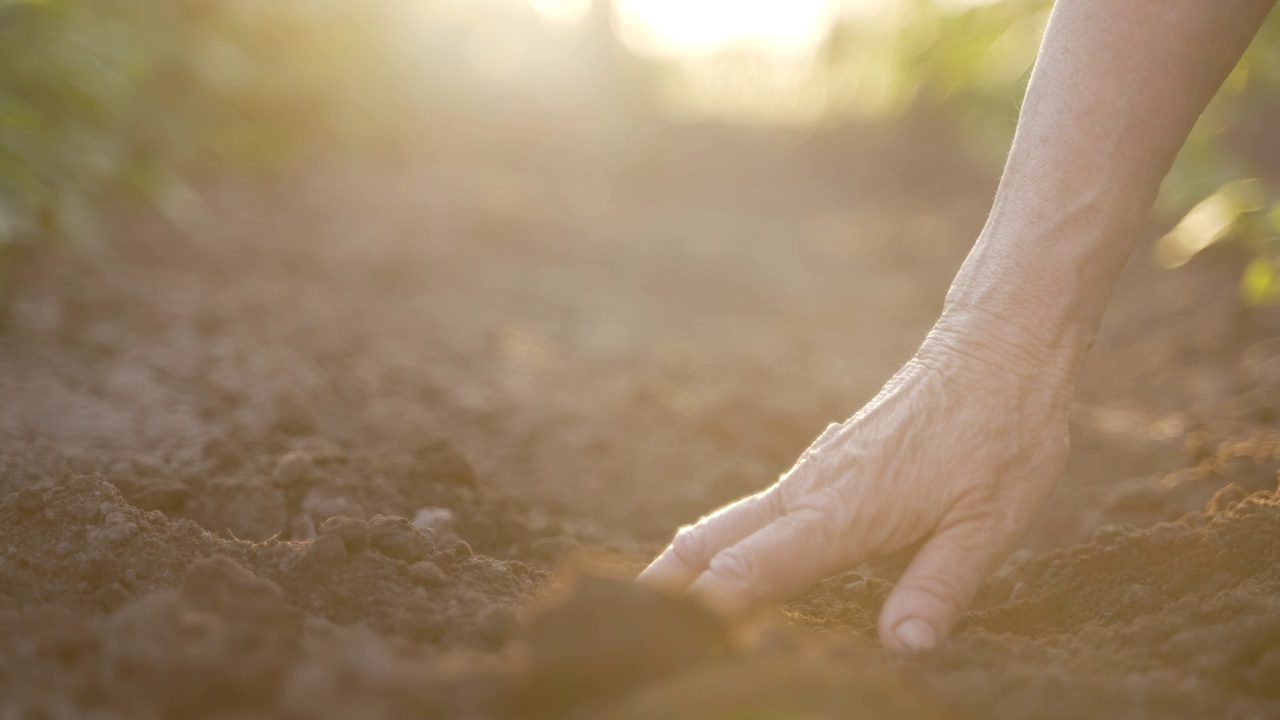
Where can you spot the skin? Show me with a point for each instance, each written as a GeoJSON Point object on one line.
{"type": "Point", "coordinates": [963, 444]}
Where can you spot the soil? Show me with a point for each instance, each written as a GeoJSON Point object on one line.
{"type": "Point", "coordinates": [337, 443]}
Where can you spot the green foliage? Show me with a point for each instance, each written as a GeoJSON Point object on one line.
{"type": "Point", "coordinates": [970, 62]}
{"type": "Point", "coordinates": [1218, 161]}
{"type": "Point", "coordinates": [99, 96]}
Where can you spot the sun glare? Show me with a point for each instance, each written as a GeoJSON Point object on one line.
{"type": "Point", "coordinates": [683, 28]}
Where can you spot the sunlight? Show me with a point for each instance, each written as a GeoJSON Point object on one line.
{"type": "Point", "coordinates": [561, 12]}
{"type": "Point", "coordinates": [683, 28]}
{"type": "Point", "coordinates": [700, 27]}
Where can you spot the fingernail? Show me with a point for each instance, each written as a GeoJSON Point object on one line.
{"type": "Point", "coordinates": [916, 634]}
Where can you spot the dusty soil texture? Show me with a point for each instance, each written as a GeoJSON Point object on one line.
{"type": "Point", "coordinates": [315, 445]}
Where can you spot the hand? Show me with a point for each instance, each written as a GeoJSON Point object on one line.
{"type": "Point", "coordinates": [958, 450]}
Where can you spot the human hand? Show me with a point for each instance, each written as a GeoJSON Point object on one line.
{"type": "Point", "coordinates": [959, 450]}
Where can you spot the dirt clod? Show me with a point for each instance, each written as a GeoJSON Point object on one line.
{"type": "Point", "coordinates": [397, 538]}
{"type": "Point", "coordinates": [354, 532]}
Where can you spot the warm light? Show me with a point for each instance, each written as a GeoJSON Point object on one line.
{"type": "Point", "coordinates": [701, 27]}
{"type": "Point", "coordinates": [561, 12]}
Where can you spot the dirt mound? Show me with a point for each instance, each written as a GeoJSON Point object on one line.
{"type": "Point", "coordinates": [1180, 619]}
{"type": "Point", "coordinates": [81, 547]}
{"type": "Point", "coordinates": [311, 451]}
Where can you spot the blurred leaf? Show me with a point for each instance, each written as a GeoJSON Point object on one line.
{"type": "Point", "coordinates": [1260, 283]}
{"type": "Point", "coordinates": [1209, 221]}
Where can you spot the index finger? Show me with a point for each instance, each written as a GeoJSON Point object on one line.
{"type": "Point", "coordinates": [689, 554]}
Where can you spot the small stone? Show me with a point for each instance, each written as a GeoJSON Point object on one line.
{"type": "Point", "coordinates": [354, 532]}
{"type": "Point", "coordinates": [322, 503]}
{"type": "Point", "coordinates": [294, 468]}
{"type": "Point", "coordinates": [437, 519]}
{"type": "Point", "coordinates": [462, 550]}
{"type": "Point", "coordinates": [855, 589]}
{"type": "Point", "coordinates": [1019, 592]}
{"type": "Point", "coordinates": [63, 549]}
{"type": "Point", "coordinates": [30, 500]}
{"type": "Point", "coordinates": [114, 518]}
{"type": "Point", "coordinates": [83, 587]}
{"type": "Point", "coordinates": [428, 574]}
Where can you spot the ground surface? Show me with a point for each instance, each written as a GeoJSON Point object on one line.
{"type": "Point", "coordinates": [312, 446]}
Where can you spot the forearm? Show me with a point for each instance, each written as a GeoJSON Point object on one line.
{"type": "Point", "coordinates": [1116, 89]}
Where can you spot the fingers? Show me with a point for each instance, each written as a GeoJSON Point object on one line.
{"type": "Point", "coordinates": [781, 559]}
{"type": "Point", "coordinates": [695, 545]}
{"type": "Point", "coordinates": [937, 586]}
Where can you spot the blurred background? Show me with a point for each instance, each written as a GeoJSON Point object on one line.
{"type": "Point", "coordinates": [129, 96]}
{"type": "Point", "coordinates": [630, 256]}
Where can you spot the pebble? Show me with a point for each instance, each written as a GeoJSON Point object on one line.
{"type": "Point", "coordinates": [462, 549]}
{"type": "Point", "coordinates": [438, 519]}
{"type": "Point", "coordinates": [855, 589]}
{"type": "Point", "coordinates": [1020, 591]}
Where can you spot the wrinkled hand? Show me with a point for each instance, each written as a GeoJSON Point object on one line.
{"type": "Point", "coordinates": [958, 450]}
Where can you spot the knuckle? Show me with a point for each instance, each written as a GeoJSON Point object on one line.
{"type": "Point", "coordinates": [772, 501]}
{"type": "Point", "coordinates": [737, 570]}
{"type": "Point", "coordinates": [943, 591]}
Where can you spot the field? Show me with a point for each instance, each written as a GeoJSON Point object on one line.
{"type": "Point", "coordinates": [384, 437]}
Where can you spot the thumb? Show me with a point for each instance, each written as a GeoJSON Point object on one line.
{"type": "Point", "coordinates": [938, 585]}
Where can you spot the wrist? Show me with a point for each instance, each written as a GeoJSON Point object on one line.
{"type": "Point", "coordinates": [1021, 343]}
